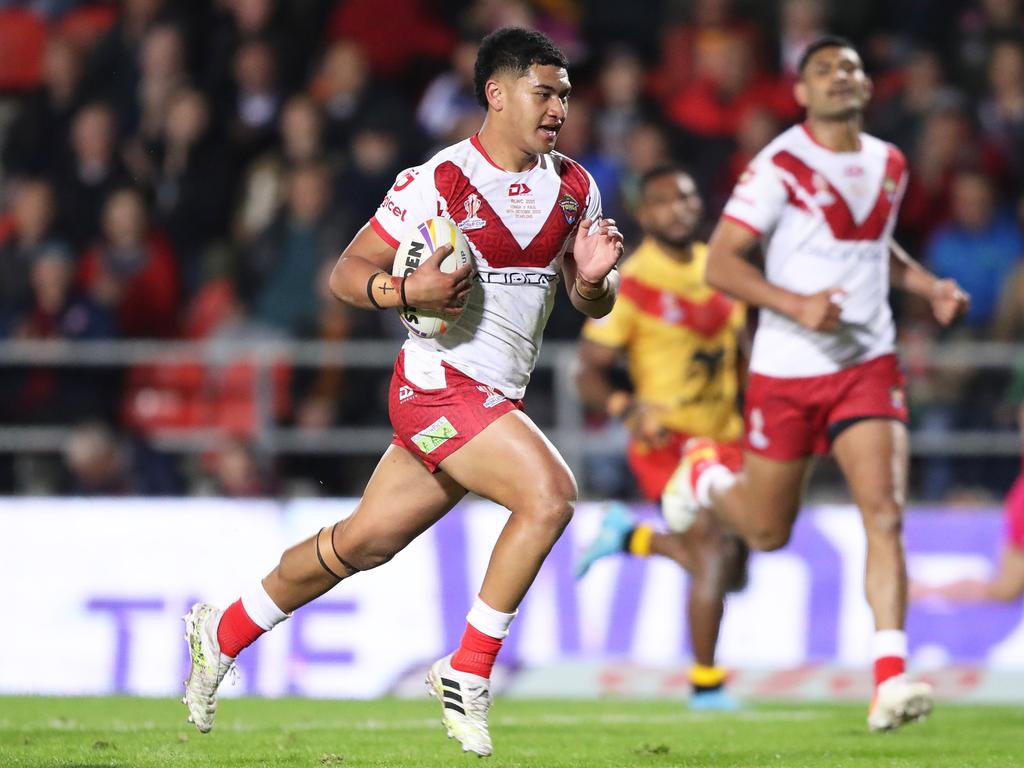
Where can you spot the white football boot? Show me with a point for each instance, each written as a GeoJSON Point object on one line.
{"type": "Point", "coordinates": [209, 665]}
{"type": "Point", "coordinates": [899, 701]}
{"type": "Point", "coordinates": [679, 505]}
{"type": "Point", "coordinates": [465, 700]}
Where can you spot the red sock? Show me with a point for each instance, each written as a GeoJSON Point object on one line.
{"type": "Point", "coordinates": [889, 666]}
{"type": "Point", "coordinates": [476, 653]}
{"type": "Point", "coordinates": [236, 630]}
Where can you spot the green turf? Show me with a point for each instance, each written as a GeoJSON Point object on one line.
{"type": "Point", "coordinates": [139, 733]}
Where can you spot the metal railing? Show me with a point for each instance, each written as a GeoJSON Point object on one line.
{"type": "Point", "coordinates": [566, 431]}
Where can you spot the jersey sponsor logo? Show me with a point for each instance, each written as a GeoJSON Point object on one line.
{"type": "Point", "coordinates": [405, 392]}
{"type": "Point", "coordinates": [472, 221]}
{"type": "Point", "coordinates": [853, 171]}
{"type": "Point", "coordinates": [494, 397]}
{"type": "Point", "coordinates": [755, 433]}
{"type": "Point", "coordinates": [570, 208]}
{"type": "Point", "coordinates": [518, 189]}
{"type": "Point", "coordinates": [433, 437]}
{"type": "Point", "coordinates": [406, 179]}
{"type": "Point", "coordinates": [393, 208]}
{"type": "Point", "coordinates": [515, 278]}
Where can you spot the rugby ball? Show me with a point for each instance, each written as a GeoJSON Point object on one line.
{"type": "Point", "coordinates": [417, 245]}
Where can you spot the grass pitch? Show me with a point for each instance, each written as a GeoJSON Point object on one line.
{"type": "Point", "coordinates": [144, 733]}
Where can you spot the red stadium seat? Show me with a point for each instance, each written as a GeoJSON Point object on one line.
{"type": "Point", "coordinates": [22, 41]}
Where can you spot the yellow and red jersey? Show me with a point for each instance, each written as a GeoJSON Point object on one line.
{"type": "Point", "coordinates": [680, 337]}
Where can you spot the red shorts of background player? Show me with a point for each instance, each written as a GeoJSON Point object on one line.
{"type": "Point", "coordinates": [434, 423]}
{"type": "Point", "coordinates": [793, 418]}
{"type": "Point", "coordinates": [653, 467]}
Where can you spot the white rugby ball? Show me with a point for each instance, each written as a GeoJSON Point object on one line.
{"type": "Point", "coordinates": [417, 245]}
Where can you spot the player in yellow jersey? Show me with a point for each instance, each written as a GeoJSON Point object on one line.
{"type": "Point", "coordinates": [681, 341]}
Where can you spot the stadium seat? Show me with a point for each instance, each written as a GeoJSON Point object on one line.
{"type": "Point", "coordinates": [22, 41]}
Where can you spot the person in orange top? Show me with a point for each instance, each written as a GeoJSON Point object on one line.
{"type": "Point", "coordinates": [681, 340]}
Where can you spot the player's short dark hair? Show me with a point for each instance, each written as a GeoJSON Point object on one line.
{"type": "Point", "coordinates": [663, 169]}
{"type": "Point", "coordinates": [827, 41]}
{"type": "Point", "coordinates": [512, 50]}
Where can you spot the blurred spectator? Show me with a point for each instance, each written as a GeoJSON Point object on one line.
{"type": "Point", "coordinates": [162, 73]}
{"type": "Point", "coordinates": [112, 69]}
{"type": "Point", "coordinates": [239, 472]}
{"type": "Point", "coordinates": [31, 233]}
{"type": "Point", "coordinates": [921, 90]}
{"type": "Point", "coordinates": [450, 96]}
{"type": "Point", "coordinates": [576, 139]}
{"type": "Point", "coordinates": [622, 104]}
{"type": "Point", "coordinates": [728, 84]}
{"type": "Point", "coordinates": [646, 147]}
{"type": "Point", "coordinates": [757, 128]}
{"type": "Point", "coordinates": [979, 248]}
{"type": "Point", "coordinates": [302, 141]}
{"type": "Point", "coordinates": [982, 25]}
{"type": "Point", "coordinates": [255, 102]}
{"type": "Point", "coordinates": [945, 145]}
{"type": "Point", "coordinates": [88, 175]}
{"type": "Point", "coordinates": [348, 95]}
{"type": "Point", "coordinates": [190, 185]}
{"type": "Point", "coordinates": [422, 33]}
{"type": "Point", "coordinates": [683, 45]}
{"type": "Point", "coordinates": [279, 271]}
{"type": "Point", "coordinates": [41, 131]}
{"type": "Point", "coordinates": [99, 463]}
{"type": "Point", "coordinates": [1001, 113]}
{"type": "Point", "coordinates": [801, 23]}
{"type": "Point", "coordinates": [132, 270]}
{"type": "Point", "coordinates": [377, 155]}
{"type": "Point", "coordinates": [55, 311]}
{"type": "Point", "coordinates": [238, 21]}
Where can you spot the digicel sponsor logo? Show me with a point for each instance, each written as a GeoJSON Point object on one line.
{"type": "Point", "coordinates": [393, 207]}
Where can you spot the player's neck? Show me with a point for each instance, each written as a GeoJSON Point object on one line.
{"type": "Point", "coordinates": [502, 152]}
{"type": "Point", "coordinates": [835, 135]}
{"type": "Point", "coordinates": [680, 253]}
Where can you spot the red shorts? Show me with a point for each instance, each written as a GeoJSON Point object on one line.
{"type": "Point", "coordinates": [434, 423]}
{"type": "Point", "coordinates": [654, 467]}
{"type": "Point", "coordinates": [792, 418]}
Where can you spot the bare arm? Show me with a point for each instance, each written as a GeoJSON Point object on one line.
{"type": "Point", "coordinates": [948, 300]}
{"type": "Point", "coordinates": [1008, 584]}
{"type": "Point", "coordinates": [364, 270]}
{"type": "Point", "coordinates": [593, 381]}
{"type": "Point", "coordinates": [589, 271]}
{"type": "Point", "coordinates": [729, 271]}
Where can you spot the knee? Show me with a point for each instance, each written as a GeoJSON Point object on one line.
{"type": "Point", "coordinates": [551, 504]}
{"type": "Point", "coordinates": [366, 550]}
{"type": "Point", "coordinates": [768, 539]}
{"type": "Point", "coordinates": [883, 518]}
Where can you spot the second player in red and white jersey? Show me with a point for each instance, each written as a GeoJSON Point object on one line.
{"type": "Point", "coordinates": [519, 226]}
{"type": "Point", "coordinates": [829, 217]}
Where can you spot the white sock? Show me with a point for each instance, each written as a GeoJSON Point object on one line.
{"type": "Point", "coordinates": [489, 621]}
{"type": "Point", "coordinates": [717, 478]}
{"type": "Point", "coordinates": [261, 608]}
{"type": "Point", "coordinates": [889, 642]}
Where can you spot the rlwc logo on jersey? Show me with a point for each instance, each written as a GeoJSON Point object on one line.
{"type": "Point", "coordinates": [570, 208]}
{"type": "Point", "coordinates": [472, 221]}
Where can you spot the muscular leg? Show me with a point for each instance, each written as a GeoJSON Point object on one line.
{"type": "Point", "coordinates": [401, 500]}
{"type": "Point", "coordinates": [762, 504]}
{"type": "Point", "coordinates": [513, 464]}
{"type": "Point", "coordinates": [873, 457]}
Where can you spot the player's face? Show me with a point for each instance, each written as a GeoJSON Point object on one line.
{"type": "Point", "coordinates": [672, 209]}
{"type": "Point", "coordinates": [537, 105]}
{"type": "Point", "coordinates": [833, 85]}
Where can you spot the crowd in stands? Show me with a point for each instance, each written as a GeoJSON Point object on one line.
{"type": "Point", "coordinates": [192, 170]}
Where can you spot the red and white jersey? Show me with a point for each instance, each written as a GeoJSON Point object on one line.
{"type": "Point", "coordinates": [519, 225]}
{"type": "Point", "coordinates": [827, 218]}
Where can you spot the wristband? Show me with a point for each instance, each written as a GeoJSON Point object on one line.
{"type": "Point", "coordinates": [401, 292]}
{"type": "Point", "coordinates": [369, 290]}
{"type": "Point", "coordinates": [604, 293]}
